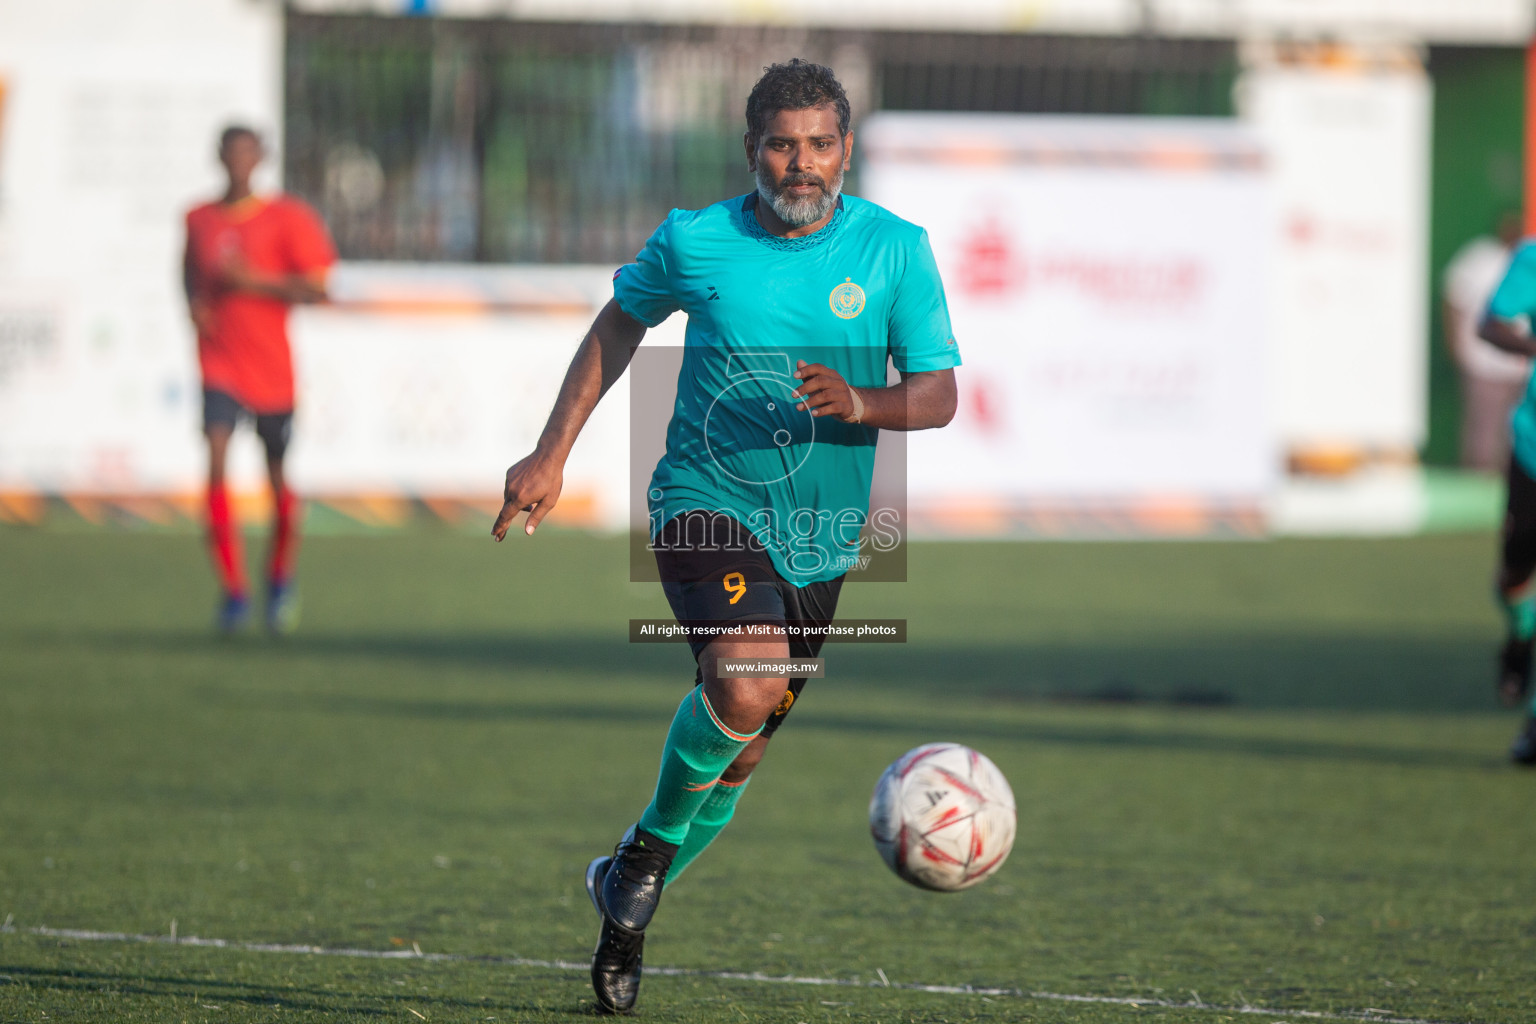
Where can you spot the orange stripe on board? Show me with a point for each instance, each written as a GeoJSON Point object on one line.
{"type": "Point", "coordinates": [91, 510]}
{"type": "Point", "coordinates": [372, 510]}
{"type": "Point", "coordinates": [21, 507]}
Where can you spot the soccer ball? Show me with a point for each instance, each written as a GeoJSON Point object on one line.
{"type": "Point", "coordinates": [942, 817]}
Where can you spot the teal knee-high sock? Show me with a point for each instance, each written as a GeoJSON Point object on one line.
{"type": "Point", "coordinates": [1519, 613]}
{"type": "Point", "coordinates": [699, 747]}
{"type": "Point", "coordinates": [1519, 608]}
{"type": "Point", "coordinates": [714, 814]}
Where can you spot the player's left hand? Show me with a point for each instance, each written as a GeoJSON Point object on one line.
{"type": "Point", "coordinates": [237, 274]}
{"type": "Point", "coordinates": [825, 393]}
{"type": "Point", "coordinates": [533, 486]}
{"type": "Point", "coordinates": [232, 266]}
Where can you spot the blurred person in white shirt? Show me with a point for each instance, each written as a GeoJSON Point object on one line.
{"type": "Point", "coordinates": [1492, 380]}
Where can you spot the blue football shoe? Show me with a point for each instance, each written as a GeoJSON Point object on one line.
{"type": "Point", "coordinates": [282, 608]}
{"type": "Point", "coordinates": [234, 612]}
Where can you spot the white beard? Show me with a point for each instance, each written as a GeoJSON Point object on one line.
{"type": "Point", "coordinates": [797, 213]}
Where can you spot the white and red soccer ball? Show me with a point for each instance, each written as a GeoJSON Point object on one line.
{"type": "Point", "coordinates": [942, 817]}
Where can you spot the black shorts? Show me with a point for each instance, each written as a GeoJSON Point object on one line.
{"type": "Point", "coordinates": [1518, 552]}
{"type": "Point", "coordinates": [220, 408]}
{"type": "Point", "coordinates": [713, 572]}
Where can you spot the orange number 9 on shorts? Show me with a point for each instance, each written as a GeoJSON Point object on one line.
{"type": "Point", "coordinates": [736, 583]}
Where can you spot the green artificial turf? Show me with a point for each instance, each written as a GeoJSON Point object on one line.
{"type": "Point", "coordinates": [1256, 774]}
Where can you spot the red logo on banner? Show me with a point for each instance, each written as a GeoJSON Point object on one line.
{"type": "Point", "coordinates": [983, 400]}
{"type": "Point", "coordinates": [993, 265]}
{"type": "Point", "coordinates": [987, 264]}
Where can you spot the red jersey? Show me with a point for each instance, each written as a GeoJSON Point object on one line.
{"type": "Point", "coordinates": [245, 350]}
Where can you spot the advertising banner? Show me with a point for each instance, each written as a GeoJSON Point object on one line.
{"type": "Point", "coordinates": [1349, 152]}
{"type": "Point", "coordinates": [431, 380]}
{"type": "Point", "coordinates": [111, 116]}
{"type": "Point", "coordinates": [1106, 280]}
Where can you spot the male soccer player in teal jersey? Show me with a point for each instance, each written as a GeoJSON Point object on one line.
{"type": "Point", "coordinates": [797, 297]}
{"type": "Point", "coordinates": [1507, 325]}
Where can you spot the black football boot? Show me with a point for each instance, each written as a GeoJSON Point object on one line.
{"type": "Point", "coordinates": [616, 960]}
{"type": "Point", "coordinates": [1514, 671]}
{"type": "Point", "coordinates": [1523, 750]}
{"type": "Point", "coordinates": [632, 884]}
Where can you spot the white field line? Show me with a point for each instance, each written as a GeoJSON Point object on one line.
{"type": "Point", "coordinates": [1367, 1016]}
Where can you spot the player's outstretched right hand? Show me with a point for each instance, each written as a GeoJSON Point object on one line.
{"type": "Point", "coordinates": [533, 486]}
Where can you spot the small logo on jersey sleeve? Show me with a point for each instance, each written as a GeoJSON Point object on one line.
{"type": "Point", "coordinates": [847, 299]}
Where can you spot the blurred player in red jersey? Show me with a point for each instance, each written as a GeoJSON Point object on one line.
{"type": "Point", "coordinates": [248, 259]}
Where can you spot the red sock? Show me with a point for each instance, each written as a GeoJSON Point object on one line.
{"type": "Point", "coordinates": [285, 536]}
{"type": "Point", "coordinates": [224, 539]}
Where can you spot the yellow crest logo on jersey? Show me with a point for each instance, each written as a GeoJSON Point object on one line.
{"type": "Point", "coordinates": [847, 299]}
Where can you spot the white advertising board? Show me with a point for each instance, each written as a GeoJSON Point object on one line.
{"type": "Point", "coordinates": [402, 394]}
{"type": "Point", "coordinates": [1349, 153]}
{"type": "Point", "coordinates": [417, 381]}
{"type": "Point", "coordinates": [110, 118]}
{"type": "Point", "coordinates": [1106, 280]}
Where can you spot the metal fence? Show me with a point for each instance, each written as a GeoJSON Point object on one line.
{"type": "Point", "coordinates": [506, 141]}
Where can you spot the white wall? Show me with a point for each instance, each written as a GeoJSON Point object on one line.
{"type": "Point", "coordinates": [1465, 21]}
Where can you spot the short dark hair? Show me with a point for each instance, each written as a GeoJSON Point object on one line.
{"type": "Point", "coordinates": [235, 131]}
{"type": "Point", "coordinates": [795, 85]}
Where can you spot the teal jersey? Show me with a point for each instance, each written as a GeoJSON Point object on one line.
{"type": "Point", "coordinates": [861, 292]}
{"type": "Point", "coordinates": [1515, 298]}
